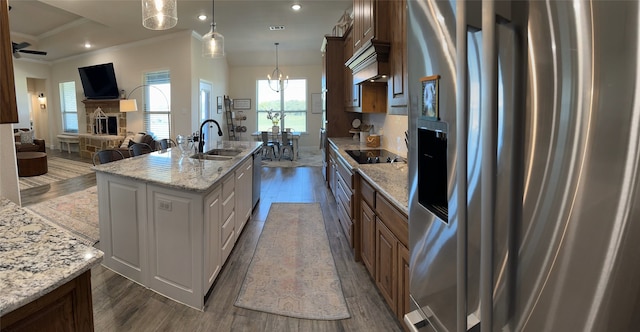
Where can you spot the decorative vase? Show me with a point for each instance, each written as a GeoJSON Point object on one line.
{"type": "Point", "coordinates": [275, 129]}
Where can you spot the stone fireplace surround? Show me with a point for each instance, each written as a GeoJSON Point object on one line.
{"type": "Point", "coordinates": [89, 142]}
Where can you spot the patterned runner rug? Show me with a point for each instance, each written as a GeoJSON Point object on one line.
{"type": "Point", "coordinates": [292, 272]}
{"type": "Point", "coordinates": [306, 158]}
{"type": "Point", "coordinates": [76, 213]}
{"type": "Point", "coordinates": [58, 169]}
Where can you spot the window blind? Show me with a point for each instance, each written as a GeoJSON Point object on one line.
{"type": "Point", "coordinates": [157, 104]}
{"type": "Point", "coordinates": [68, 107]}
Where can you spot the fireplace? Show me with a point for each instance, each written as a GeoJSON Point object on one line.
{"type": "Point", "coordinates": [107, 132]}
{"type": "Point", "coordinates": [107, 125]}
{"type": "Point", "coordinates": [114, 119]}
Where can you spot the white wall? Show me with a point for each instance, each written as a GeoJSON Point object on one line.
{"type": "Point", "coordinates": [24, 70]}
{"type": "Point", "coordinates": [392, 128]}
{"type": "Point", "coordinates": [131, 61]}
{"type": "Point", "coordinates": [214, 71]}
{"type": "Point", "coordinates": [242, 85]}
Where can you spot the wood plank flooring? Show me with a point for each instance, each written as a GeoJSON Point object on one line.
{"type": "Point", "coordinates": [122, 305]}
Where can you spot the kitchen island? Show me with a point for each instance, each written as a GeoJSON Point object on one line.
{"type": "Point", "coordinates": [169, 221]}
{"type": "Point", "coordinates": [45, 277]}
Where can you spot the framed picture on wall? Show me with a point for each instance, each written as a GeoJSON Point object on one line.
{"type": "Point", "coordinates": [242, 104]}
{"type": "Point", "coordinates": [430, 109]}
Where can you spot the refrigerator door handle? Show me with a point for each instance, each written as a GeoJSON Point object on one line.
{"type": "Point", "coordinates": [414, 321]}
{"type": "Point", "coordinates": [462, 132]}
{"type": "Point", "coordinates": [488, 125]}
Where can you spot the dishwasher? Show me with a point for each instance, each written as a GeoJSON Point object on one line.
{"type": "Point", "coordinates": [257, 174]}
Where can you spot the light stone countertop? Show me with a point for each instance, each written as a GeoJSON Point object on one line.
{"type": "Point", "coordinates": [173, 169]}
{"type": "Point", "coordinates": [389, 178]}
{"type": "Point", "coordinates": [36, 257]}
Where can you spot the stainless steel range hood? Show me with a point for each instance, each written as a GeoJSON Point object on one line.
{"type": "Point", "coordinates": [370, 62]}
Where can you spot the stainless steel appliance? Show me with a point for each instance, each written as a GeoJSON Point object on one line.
{"type": "Point", "coordinates": [257, 177]}
{"type": "Point", "coordinates": [538, 102]}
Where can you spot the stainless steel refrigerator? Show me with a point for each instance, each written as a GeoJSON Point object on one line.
{"type": "Point", "coordinates": [524, 203]}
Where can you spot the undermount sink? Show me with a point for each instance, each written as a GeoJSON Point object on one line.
{"type": "Point", "coordinates": [210, 157]}
{"type": "Point", "coordinates": [223, 152]}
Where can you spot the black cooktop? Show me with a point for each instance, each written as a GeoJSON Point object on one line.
{"type": "Point", "coordinates": [372, 156]}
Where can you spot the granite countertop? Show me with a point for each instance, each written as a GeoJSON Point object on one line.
{"type": "Point", "coordinates": [36, 257]}
{"type": "Point", "coordinates": [391, 179]}
{"type": "Point", "coordinates": [173, 169]}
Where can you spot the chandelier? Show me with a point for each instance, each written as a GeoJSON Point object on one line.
{"type": "Point", "coordinates": [159, 14]}
{"type": "Point", "coordinates": [213, 41]}
{"type": "Point", "coordinates": [277, 80]}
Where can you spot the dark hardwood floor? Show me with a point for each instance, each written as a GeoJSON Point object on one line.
{"type": "Point", "coordinates": [122, 305]}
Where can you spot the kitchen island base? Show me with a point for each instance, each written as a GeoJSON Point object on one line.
{"type": "Point", "coordinates": [67, 308]}
{"type": "Point", "coordinates": [171, 237]}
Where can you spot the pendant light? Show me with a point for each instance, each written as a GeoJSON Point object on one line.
{"type": "Point", "coordinates": [277, 80]}
{"type": "Point", "coordinates": [159, 14]}
{"type": "Point", "coordinates": [213, 42]}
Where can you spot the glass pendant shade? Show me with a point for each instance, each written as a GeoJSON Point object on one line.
{"type": "Point", "coordinates": [213, 43]}
{"type": "Point", "coordinates": [159, 14]}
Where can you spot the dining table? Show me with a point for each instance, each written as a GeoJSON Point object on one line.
{"type": "Point", "coordinates": [294, 136]}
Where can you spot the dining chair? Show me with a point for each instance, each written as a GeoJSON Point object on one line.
{"type": "Point", "coordinates": [286, 144]}
{"type": "Point", "coordinates": [106, 156]}
{"type": "Point", "coordinates": [165, 143]}
{"type": "Point", "coordinates": [139, 149]}
{"type": "Point", "coordinates": [267, 146]}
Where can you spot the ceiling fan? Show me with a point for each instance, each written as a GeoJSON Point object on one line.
{"type": "Point", "coordinates": [19, 48]}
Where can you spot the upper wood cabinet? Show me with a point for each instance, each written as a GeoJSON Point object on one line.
{"type": "Point", "coordinates": [8, 105]}
{"type": "Point", "coordinates": [338, 122]}
{"type": "Point", "coordinates": [398, 78]}
{"type": "Point", "coordinates": [351, 91]}
{"type": "Point", "coordinates": [370, 21]}
{"type": "Point", "coordinates": [373, 97]}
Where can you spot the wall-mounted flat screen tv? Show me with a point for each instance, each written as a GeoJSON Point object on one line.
{"type": "Point", "coordinates": [99, 82]}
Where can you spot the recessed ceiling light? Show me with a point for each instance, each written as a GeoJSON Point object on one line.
{"type": "Point", "coordinates": [202, 17]}
{"type": "Point", "coordinates": [295, 6]}
{"type": "Point", "coordinates": [87, 45]}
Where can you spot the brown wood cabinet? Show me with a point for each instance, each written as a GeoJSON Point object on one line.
{"type": "Point", "coordinates": [386, 263]}
{"type": "Point", "coordinates": [351, 91]}
{"type": "Point", "coordinates": [370, 21]}
{"type": "Point", "coordinates": [368, 226]}
{"type": "Point", "coordinates": [373, 97]}
{"type": "Point", "coordinates": [343, 191]}
{"type": "Point", "coordinates": [338, 122]}
{"type": "Point", "coordinates": [403, 282]}
{"type": "Point", "coordinates": [398, 78]}
{"type": "Point", "coordinates": [385, 235]}
{"type": "Point", "coordinates": [8, 105]}
{"type": "Point", "coordinates": [66, 308]}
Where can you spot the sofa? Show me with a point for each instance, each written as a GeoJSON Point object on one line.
{"type": "Point", "coordinates": [136, 138]}
{"type": "Point", "coordinates": [24, 141]}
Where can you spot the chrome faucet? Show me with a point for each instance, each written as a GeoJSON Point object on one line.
{"type": "Point", "coordinates": [201, 138]}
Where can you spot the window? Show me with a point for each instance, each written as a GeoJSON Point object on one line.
{"type": "Point", "coordinates": [295, 105]}
{"type": "Point", "coordinates": [68, 107]}
{"type": "Point", "coordinates": [157, 103]}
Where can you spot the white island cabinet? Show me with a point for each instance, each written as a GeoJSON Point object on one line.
{"type": "Point", "coordinates": [169, 222]}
